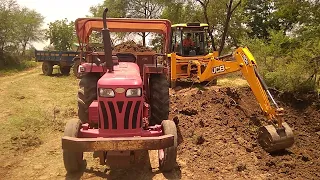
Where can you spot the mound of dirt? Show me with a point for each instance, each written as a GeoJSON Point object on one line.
{"type": "Point", "coordinates": [131, 46]}
{"type": "Point", "coordinates": [217, 137]}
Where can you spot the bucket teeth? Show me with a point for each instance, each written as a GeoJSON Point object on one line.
{"type": "Point", "coordinates": [273, 139]}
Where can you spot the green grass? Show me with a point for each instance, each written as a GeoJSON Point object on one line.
{"type": "Point", "coordinates": [36, 104]}
{"type": "Point", "coordinates": [12, 69]}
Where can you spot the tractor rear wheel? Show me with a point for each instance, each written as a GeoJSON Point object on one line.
{"type": "Point", "coordinates": [72, 160]}
{"type": "Point", "coordinates": [65, 70]}
{"type": "Point", "coordinates": [159, 98]}
{"type": "Point", "coordinates": [47, 68]}
{"type": "Point", "coordinates": [168, 156]}
{"type": "Point", "coordinates": [87, 93]}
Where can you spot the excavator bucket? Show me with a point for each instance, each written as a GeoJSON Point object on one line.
{"type": "Point", "coordinates": [273, 139]}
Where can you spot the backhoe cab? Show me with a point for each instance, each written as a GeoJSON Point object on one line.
{"type": "Point", "coordinates": [190, 39]}
{"type": "Point", "coordinates": [190, 47]}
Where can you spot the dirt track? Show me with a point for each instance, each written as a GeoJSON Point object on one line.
{"type": "Point", "coordinates": [217, 140]}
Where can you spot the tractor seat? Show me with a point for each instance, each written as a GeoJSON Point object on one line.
{"type": "Point", "coordinates": [126, 57]}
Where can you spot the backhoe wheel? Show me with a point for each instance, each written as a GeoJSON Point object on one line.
{"type": "Point", "coordinates": [87, 93]}
{"type": "Point", "coordinates": [65, 70]}
{"type": "Point", "coordinates": [75, 68]}
{"type": "Point", "coordinates": [72, 160]}
{"type": "Point", "coordinates": [47, 68]}
{"type": "Point", "coordinates": [168, 156]}
{"type": "Point", "coordinates": [159, 98]}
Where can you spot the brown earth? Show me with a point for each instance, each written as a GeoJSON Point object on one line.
{"type": "Point", "coordinates": [131, 46]}
{"type": "Point", "coordinates": [217, 139]}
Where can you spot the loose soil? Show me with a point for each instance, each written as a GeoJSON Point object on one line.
{"type": "Point", "coordinates": [217, 139]}
{"type": "Point", "coordinates": [131, 46]}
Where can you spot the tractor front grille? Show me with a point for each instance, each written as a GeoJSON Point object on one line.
{"type": "Point", "coordinates": [119, 114]}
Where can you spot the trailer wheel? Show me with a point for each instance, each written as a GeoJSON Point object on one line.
{"type": "Point", "coordinates": [159, 98]}
{"type": "Point", "coordinates": [75, 68]}
{"type": "Point", "coordinates": [168, 156]}
{"type": "Point", "coordinates": [65, 70]}
{"type": "Point", "coordinates": [47, 68]}
{"type": "Point", "coordinates": [87, 93]}
{"type": "Point", "coordinates": [72, 160]}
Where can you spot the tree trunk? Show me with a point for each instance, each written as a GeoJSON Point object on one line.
{"type": "Point", "coordinates": [230, 11]}
{"type": "Point", "coordinates": [24, 45]}
{"type": "Point", "coordinates": [144, 39]}
{"type": "Point", "coordinates": [204, 5]}
{"type": "Point", "coordinates": [209, 29]}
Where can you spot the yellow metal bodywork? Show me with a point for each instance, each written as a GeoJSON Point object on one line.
{"type": "Point", "coordinates": [184, 67]}
{"type": "Point", "coordinates": [185, 25]}
{"type": "Point", "coordinates": [242, 60]}
{"type": "Point", "coordinates": [188, 67]}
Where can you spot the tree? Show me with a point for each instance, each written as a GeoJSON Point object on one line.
{"type": "Point", "coordinates": [61, 34]}
{"type": "Point", "coordinates": [8, 12]}
{"type": "Point", "coordinates": [230, 10]}
{"type": "Point", "coordinates": [146, 9]}
{"type": "Point", "coordinates": [218, 18]}
{"type": "Point", "coordinates": [263, 15]}
{"type": "Point", "coordinates": [29, 29]}
{"type": "Point", "coordinates": [117, 8]}
{"type": "Point", "coordinates": [181, 12]}
{"type": "Point", "coordinates": [19, 27]}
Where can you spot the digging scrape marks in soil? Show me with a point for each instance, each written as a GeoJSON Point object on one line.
{"type": "Point", "coordinates": [218, 136]}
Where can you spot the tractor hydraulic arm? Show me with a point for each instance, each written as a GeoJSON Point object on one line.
{"type": "Point", "coordinates": [243, 60]}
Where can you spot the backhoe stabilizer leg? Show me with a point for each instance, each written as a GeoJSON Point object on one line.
{"type": "Point", "coordinates": [273, 138]}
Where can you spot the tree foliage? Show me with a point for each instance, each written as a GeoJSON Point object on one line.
{"type": "Point", "coordinates": [61, 34]}
{"type": "Point", "coordinates": [19, 27]}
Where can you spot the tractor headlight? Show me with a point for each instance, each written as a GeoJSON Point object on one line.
{"type": "Point", "coordinates": [106, 92]}
{"type": "Point", "coordinates": [134, 92]}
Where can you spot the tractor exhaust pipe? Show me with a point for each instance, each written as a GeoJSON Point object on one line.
{"type": "Point", "coordinates": [107, 43]}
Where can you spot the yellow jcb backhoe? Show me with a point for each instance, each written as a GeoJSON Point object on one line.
{"type": "Point", "coordinates": [276, 136]}
{"type": "Point", "coordinates": [189, 45]}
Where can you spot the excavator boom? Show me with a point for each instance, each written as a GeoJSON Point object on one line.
{"type": "Point", "coordinates": [274, 137]}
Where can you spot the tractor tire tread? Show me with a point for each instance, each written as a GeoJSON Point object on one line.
{"type": "Point", "coordinates": [72, 160]}
{"type": "Point", "coordinates": [170, 154]}
{"type": "Point", "coordinates": [87, 93]}
{"type": "Point", "coordinates": [159, 98]}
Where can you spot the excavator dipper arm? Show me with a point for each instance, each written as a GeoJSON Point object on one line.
{"type": "Point", "coordinates": [274, 137]}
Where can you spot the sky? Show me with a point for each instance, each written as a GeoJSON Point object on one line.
{"type": "Point", "coordinates": [53, 10]}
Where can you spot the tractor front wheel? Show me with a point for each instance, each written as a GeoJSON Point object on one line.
{"type": "Point", "coordinates": [159, 98]}
{"type": "Point", "coordinates": [168, 156]}
{"type": "Point", "coordinates": [47, 68]}
{"type": "Point", "coordinates": [72, 160]}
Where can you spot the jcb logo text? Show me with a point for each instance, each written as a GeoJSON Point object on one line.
{"type": "Point", "coordinates": [218, 69]}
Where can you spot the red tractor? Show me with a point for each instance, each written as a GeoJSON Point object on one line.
{"type": "Point", "coordinates": [123, 99]}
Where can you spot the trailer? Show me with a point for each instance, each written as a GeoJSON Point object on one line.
{"type": "Point", "coordinates": [64, 59]}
